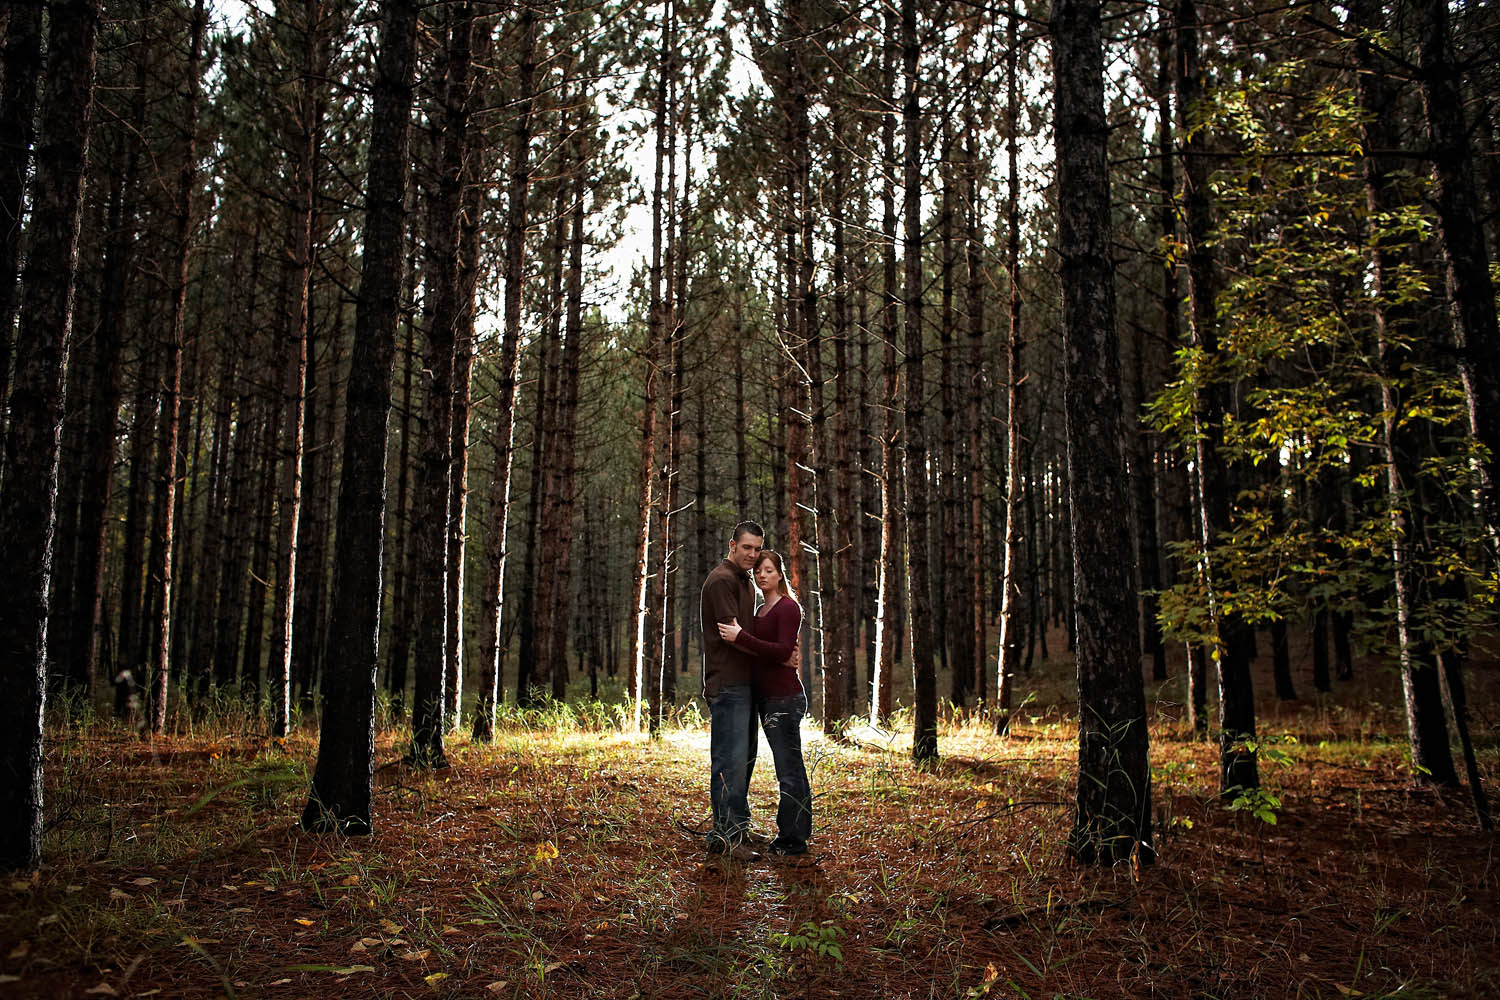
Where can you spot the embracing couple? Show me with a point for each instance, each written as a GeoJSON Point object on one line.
{"type": "Point", "coordinates": [749, 674]}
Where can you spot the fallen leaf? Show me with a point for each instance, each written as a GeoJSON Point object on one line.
{"type": "Point", "coordinates": [436, 977]}
{"type": "Point", "coordinates": [351, 880]}
{"type": "Point", "coordinates": [304, 921]}
{"type": "Point", "coordinates": [357, 946]}
{"type": "Point", "coordinates": [536, 895]}
{"type": "Point", "coordinates": [390, 926]}
{"type": "Point", "coordinates": [497, 986]}
{"type": "Point", "coordinates": [369, 942]}
{"type": "Point", "coordinates": [554, 967]}
{"type": "Point", "coordinates": [416, 955]}
{"type": "Point", "coordinates": [450, 930]}
{"type": "Point", "coordinates": [143, 880]}
{"type": "Point", "coordinates": [103, 990]}
{"type": "Point", "coordinates": [50, 918]}
{"type": "Point", "coordinates": [338, 970]}
{"type": "Point", "coordinates": [279, 982]}
{"type": "Point", "coordinates": [20, 885]}
{"type": "Point", "coordinates": [118, 894]}
{"type": "Point", "coordinates": [20, 950]}
{"type": "Point", "coordinates": [10, 979]}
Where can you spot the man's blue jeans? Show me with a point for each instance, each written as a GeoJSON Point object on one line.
{"type": "Point", "coordinates": [781, 718]}
{"type": "Point", "coordinates": [731, 754]}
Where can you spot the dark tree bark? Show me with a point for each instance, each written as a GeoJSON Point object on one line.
{"type": "Point", "coordinates": [889, 618]}
{"type": "Point", "coordinates": [340, 798]}
{"type": "Point", "coordinates": [296, 263]}
{"type": "Point", "coordinates": [105, 399]}
{"type": "Point", "coordinates": [924, 677]}
{"type": "Point", "coordinates": [1113, 821]}
{"type": "Point", "coordinates": [977, 390]}
{"type": "Point", "coordinates": [566, 427]}
{"type": "Point", "coordinates": [841, 628]}
{"type": "Point", "coordinates": [1170, 298]}
{"type": "Point", "coordinates": [402, 603]}
{"type": "Point", "coordinates": [28, 497]}
{"type": "Point", "coordinates": [436, 665]}
{"type": "Point", "coordinates": [491, 602]}
{"type": "Point", "coordinates": [1427, 730]}
{"type": "Point", "coordinates": [1237, 761]}
{"type": "Point", "coordinates": [23, 61]}
{"type": "Point", "coordinates": [1009, 654]}
{"type": "Point", "coordinates": [647, 695]}
{"type": "Point", "coordinates": [1471, 296]}
{"type": "Point", "coordinates": [171, 410]}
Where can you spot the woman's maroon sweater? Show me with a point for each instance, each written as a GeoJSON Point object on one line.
{"type": "Point", "coordinates": [771, 637]}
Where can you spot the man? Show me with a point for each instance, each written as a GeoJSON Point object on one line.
{"type": "Point", "coordinates": [728, 596]}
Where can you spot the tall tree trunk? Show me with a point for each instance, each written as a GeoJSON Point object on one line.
{"type": "Point", "coordinates": [1113, 821]}
{"type": "Point", "coordinates": [559, 615]}
{"type": "Point", "coordinates": [1237, 761]}
{"type": "Point", "coordinates": [296, 266]}
{"type": "Point", "coordinates": [892, 524]}
{"type": "Point", "coordinates": [106, 396]}
{"type": "Point", "coordinates": [544, 477]}
{"type": "Point", "coordinates": [842, 627]}
{"type": "Point", "coordinates": [436, 665]}
{"type": "Point", "coordinates": [28, 496]}
{"type": "Point", "coordinates": [491, 602]}
{"type": "Point", "coordinates": [340, 797]}
{"type": "Point", "coordinates": [1471, 296]}
{"type": "Point", "coordinates": [1421, 683]}
{"type": "Point", "coordinates": [463, 366]}
{"type": "Point", "coordinates": [171, 410]}
{"type": "Point", "coordinates": [1009, 653]}
{"type": "Point", "coordinates": [924, 677]}
{"type": "Point", "coordinates": [640, 648]}
{"type": "Point", "coordinates": [402, 603]}
{"type": "Point", "coordinates": [977, 389]}
{"type": "Point", "coordinates": [23, 62]}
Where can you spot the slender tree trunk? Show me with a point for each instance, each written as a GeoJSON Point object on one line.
{"type": "Point", "coordinates": [171, 411]}
{"type": "Point", "coordinates": [1471, 295]}
{"type": "Point", "coordinates": [640, 649]}
{"type": "Point", "coordinates": [402, 603]}
{"type": "Point", "coordinates": [1421, 683]}
{"type": "Point", "coordinates": [28, 496]}
{"type": "Point", "coordinates": [1113, 821]}
{"type": "Point", "coordinates": [104, 404]}
{"type": "Point", "coordinates": [492, 602]}
{"type": "Point", "coordinates": [340, 797]}
{"type": "Point", "coordinates": [842, 628]}
{"type": "Point", "coordinates": [924, 678]}
{"type": "Point", "coordinates": [1170, 298]}
{"type": "Point", "coordinates": [1009, 653]}
{"type": "Point", "coordinates": [1237, 761]}
{"type": "Point", "coordinates": [560, 614]}
{"type": "Point", "coordinates": [23, 62]}
{"type": "Point", "coordinates": [463, 362]}
{"type": "Point", "coordinates": [890, 623]}
{"type": "Point", "coordinates": [296, 273]}
{"type": "Point", "coordinates": [977, 389]}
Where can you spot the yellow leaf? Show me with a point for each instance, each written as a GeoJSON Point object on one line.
{"type": "Point", "coordinates": [390, 927]}
{"type": "Point", "coordinates": [436, 977]}
{"type": "Point", "coordinates": [304, 921]}
{"type": "Point", "coordinates": [416, 955]}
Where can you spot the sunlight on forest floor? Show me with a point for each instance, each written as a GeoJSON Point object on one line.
{"type": "Point", "coordinates": [564, 862]}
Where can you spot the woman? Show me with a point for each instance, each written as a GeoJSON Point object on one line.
{"type": "Point", "coordinates": [779, 697]}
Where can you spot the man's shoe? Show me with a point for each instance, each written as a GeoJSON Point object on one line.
{"type": "Point", "coordinates": [785, 850]}
{"type": "Point", "coordinates": [742, 853]}
{"type": "Point", "coordinates": [757, 840]}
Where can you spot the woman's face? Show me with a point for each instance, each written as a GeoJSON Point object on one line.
{"type": "Point", "coordinates": [767, 576]}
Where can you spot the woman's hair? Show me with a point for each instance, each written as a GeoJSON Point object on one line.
{"type": "Point", "coordinates": [775, 558]}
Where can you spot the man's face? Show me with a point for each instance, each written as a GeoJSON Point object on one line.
{"type": "Point", "coordinates": [744, 550]}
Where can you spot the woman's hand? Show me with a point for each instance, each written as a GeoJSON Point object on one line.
{"type": "Point", "coordinates": [730, 632]}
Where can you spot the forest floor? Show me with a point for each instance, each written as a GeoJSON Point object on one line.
{"type": "Point", "coordinates": [557, 862]}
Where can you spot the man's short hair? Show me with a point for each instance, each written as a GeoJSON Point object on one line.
{"type": "Point", "coordinates": [748, 528]}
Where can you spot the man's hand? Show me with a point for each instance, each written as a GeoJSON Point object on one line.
{"type": "Point", "coordinates": [731, 631]}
